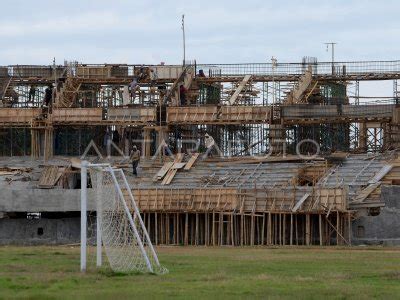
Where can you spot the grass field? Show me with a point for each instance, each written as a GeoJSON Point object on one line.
{"type": "Point", "coordinates": [53, 272]}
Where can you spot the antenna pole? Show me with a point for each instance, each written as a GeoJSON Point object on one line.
{"type": "Point", "coordinates": [183, 36]}
{"type": "Point", "coordinates": [332, 44]}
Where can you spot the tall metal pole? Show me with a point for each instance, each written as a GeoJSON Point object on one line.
{"type": "Point", "coordinates": [274, 64]}
{"type": "Point", "coordinates": [332, 44]}
{"type": "Point", "coordinates": [55, 73]}
{"type": "Point", "coordinates": [84, 165]}
{"type": "Point", "coordinates": [54, 89]}
{"type": "Point", "coordinates": [184, 43]}
{"type": "Point", "coordinates": [99, 220]}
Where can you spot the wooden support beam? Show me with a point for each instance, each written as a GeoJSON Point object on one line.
{"type": "Point", "coordinates": [300, 202]}
{"type": "Point", "coordinates": [337, 231]}
{"type": "Point", "coordinates": [196, 237]}
{"type": "Point", "coordinates": [252, 230]}
{"type": "Point", "coordinates": [308, 231]}
{"type": "Point", "coordinates": [207, 229]}
{"type": "Point", "coordinates": [191, 161]}
{"type": "Point", "coordinates": [186, 242]}
{"type": "Point", "coordinates": [320, 229]}
{"type": "Point", "coordinates": [349, 227]}
{"type": "Point", "coordinates": [284, 229]}
{"type": "Point", "coordinates": [291, 229]}
{"type": "Point", "coordinates": [263, 229]}
{"type": "Point", "coordinates": [213, 229]}
{"type": "Point", "coordinates": [156, 228]}
{"type": "Point", "coordinates": [234, 98]}
{"type": "Point", "coordinates": [269, 228]}
{"type": "Point", "coordinates": [232, 230]}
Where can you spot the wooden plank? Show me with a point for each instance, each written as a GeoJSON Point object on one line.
{"type": "Point", "coordinates": [77, 114]}
{"type": "Point", "coordinates": [382, 173]}
{"type": "Point", "coordinates": [144, 114]}
{"type": "Point", "coordinates": [18, 115]}
{"type": "Point", "coordinates": [164, 169]}
{"type": "Point", "coordinates": [239, 89]}
{"type": "Point", "coordinates": [171, 173]}
{"type": "Point", "coordinates": [168, 178]}
{"type": "Point", "coordinates": [366, 192]}
{"type": "Point", "coordinates": [300, 202]}
{"type": "Point", "coordinates": [50, 176]}
{"type": "Point", "coordinates": [191, 161]}
{"type": "Point", "coordinates": [76, 162]}
{"type": "Point", "coordinates": [179, 165]}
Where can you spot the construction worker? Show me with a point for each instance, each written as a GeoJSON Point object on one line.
{"type": "Point", "coordinates": [182, 94]}
{"type": "Point", "coordinates": [209, 143]}
{"type": "Point", "coordinates": [201, 73]}
{"type": "Point", "coordinates": [107, 142]}
{"type": "Point", "coordinates": [15, 97]}
{"type": "Point", "coordinates": [116, 139]}
{"type": "Point", "coordinates": [48, 93]}
{"type": "Point", "coordinates": [134, 158]}
{"type": "Point", "coordinates": [32, 92]}
{"type": "Point", "coordinates": [133, 85]}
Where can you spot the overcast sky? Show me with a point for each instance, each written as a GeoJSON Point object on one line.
{"type": "Point", "coordinates": [33, 32]}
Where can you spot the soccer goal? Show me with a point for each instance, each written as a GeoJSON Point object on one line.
{"type": "Point", "coordinates": [119, 226]}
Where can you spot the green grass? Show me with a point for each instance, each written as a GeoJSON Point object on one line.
{"type": "Point", "coordinates": [302, 273]}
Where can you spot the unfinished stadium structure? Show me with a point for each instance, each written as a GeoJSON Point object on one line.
{"type": "Point", "coordinates": [231, 154]}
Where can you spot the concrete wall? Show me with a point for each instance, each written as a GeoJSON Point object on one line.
{"type": "Point", "coordinates": [382, 229]}
{"type": "Point", "coordinates": [43, 200]}
{"type": "Point", "coordinates": [43, 231]}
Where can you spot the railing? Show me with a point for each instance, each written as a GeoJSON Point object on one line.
{"type": "Point", "coordinates": [212, 70]}
{"type": "Point", "coordinates": [320, 68]}
{"type": "Point", "coordinates": [24, 71]}
{"type": "Point", "coordinates": [76, 69]}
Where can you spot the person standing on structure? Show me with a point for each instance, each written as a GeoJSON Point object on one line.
{"type": "Point", "coordinates": [107, 142]}
{"type": "Point", "coordinates": [134, 85]}
{"type": "Point", "coordinates": [209, 143]}
{"type": "Point", "coordinates": [134, 158]}
{"type": "Point", "coordinates": [48, 94]}
{"type": "Point", "coordinates": [32, 92]}
{"type": "Point", "coordinates": [182, 94]}
{"type": "Point", "coordinates": [201, 73]}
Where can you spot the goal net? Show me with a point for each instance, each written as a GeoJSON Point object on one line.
{"type": "Point", "coordinates": [123, 235]}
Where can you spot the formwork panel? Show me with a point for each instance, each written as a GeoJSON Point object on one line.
{"type": "Point", "coordinates": [77, 115]}
{"type": "Point", "coordinates": [192, 114]}
{"type": "Point", "coordinates": [18, 115]}
{"type": "Point", "coordinates": [140, 114]}
{"type": "Point", "coordinates": [186, 199]}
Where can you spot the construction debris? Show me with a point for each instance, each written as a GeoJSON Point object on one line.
{"type": "Point", "coordinates": [14, 170]}
{"type": "Point", "coordinates": [50, 176]}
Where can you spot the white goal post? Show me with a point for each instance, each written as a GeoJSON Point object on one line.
{"type": "Point", "coordinates": [120, 228]}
